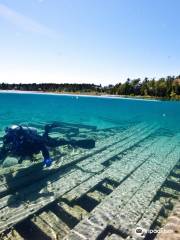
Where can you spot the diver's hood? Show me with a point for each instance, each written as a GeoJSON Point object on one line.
{"type": "Point", "coordinates": [13, 127]}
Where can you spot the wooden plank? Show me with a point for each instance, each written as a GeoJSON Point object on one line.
{"type": "Point", "coordinates": [127, 203]}
{"type": "Point", "coordinates": [44, 227]}
{"type": "Point", "coordinates": [117, 171]}
{"type": "Point", "coordinates": [96, 195]}
{"type": "Point", "coordinates": [76, 211]}
{"type": "Point", "coordinates": [59, 227]}
{"type": "Point", "coordinates": [26, 173]}
{"type": "Point", "coordinates": [12, 235]}
{"type": "Point", "coordinates": [171, 230]}
{"type": "Point", "coordinates": [92, 162]}
{"type": "Point", "coordinates": [16, 214]}
{"type": "Point", "coordinates": [149, 216]}
{"type": "Point", "coordinates": [113, 237]}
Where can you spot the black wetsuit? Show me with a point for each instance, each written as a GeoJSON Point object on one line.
{"type": "Point", "coordinates": [24, 141]}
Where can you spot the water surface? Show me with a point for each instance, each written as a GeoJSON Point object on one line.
{"type": "Point", "coordinates": [99, 113]}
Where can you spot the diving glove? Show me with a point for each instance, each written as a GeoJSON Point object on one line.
{"type": "Point", "coordinates": [47, 162]}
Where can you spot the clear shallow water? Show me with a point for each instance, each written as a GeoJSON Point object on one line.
{"type": "Point", "coordinates": [101, 113]}
{"type": "Point", "coordinates": [137, 146]}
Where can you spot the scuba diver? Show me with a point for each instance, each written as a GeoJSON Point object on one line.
{"type": "Point", "coordinates": [25, 141]}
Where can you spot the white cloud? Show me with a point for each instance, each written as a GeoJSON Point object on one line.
{"type": "Point", "coordinates": [23, 22]}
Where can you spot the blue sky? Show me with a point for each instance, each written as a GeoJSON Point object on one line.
{"type": "Point", "coordinates": [92, 41]}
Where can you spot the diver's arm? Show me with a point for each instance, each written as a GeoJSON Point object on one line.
{"type": "Point", "coordinates": [47, 160]}
{"type": "Point", "coordinates": [48, 128]}
{"type": "Point", "coordinates": [44, 151]}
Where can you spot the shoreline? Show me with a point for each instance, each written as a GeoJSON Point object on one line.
{"type": "Point", "coordinates": [80, 95]}
{"type": "Point", "coordinates": [93, 94]}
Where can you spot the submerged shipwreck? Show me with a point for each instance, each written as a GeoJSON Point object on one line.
{"type": "Point", "coordinates": [126, 187]}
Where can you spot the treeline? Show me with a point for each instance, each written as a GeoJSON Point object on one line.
{"type": "Point", "coordinates": [51, 87]}
{"type": "Point", "coordinates": [168, 87]}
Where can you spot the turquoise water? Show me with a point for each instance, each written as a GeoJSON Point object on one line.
{"type": "Point", "coordinates": [137, 145]}
{"type": "Point", "coordinates": [98, 112]}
